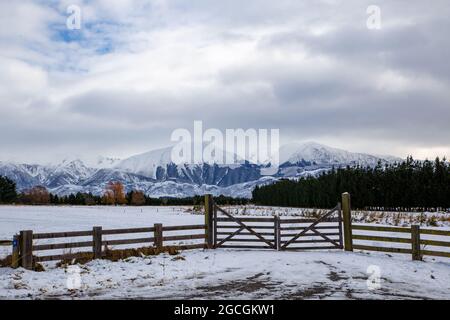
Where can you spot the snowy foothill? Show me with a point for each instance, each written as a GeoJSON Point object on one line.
{"type": "Point", "coordinates": [209, 274]}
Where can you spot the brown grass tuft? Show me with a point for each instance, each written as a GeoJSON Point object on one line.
{"type": "Point", "coordinates": [116, 255]}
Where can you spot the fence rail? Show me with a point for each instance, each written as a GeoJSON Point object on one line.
{"type": "Point", "coordinates": [267, 232]}
{"type": "Point", "coordinates": [24, 248]}
{"type": "Point", "coordinates": [414, 240]}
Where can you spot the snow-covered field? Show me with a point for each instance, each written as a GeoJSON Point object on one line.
{"type": "Point", "coordinates": [208, 274]}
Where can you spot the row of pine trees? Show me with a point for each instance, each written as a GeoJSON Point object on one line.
{"type": "Point", "coordinates": [407, 186]}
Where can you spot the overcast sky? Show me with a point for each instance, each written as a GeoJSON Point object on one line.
{"type": "Point", "coordinates": [138, 69]}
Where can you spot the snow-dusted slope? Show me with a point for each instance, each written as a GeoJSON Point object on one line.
{"type": "Point", "coordinates": [319, 154]}
{"type": "Point", "coordinates": [68, 172]}
{"type": "Point", "coordinates": [156, 174]}
{"type": "Point", "coordinates": [147, 163]}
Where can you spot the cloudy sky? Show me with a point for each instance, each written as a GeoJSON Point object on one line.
{"type": "Point", "coordinates": [138, 69]}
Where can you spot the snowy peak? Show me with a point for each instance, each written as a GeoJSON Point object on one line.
{"type": "Point", "coordinates": [146, 164]}
{"type": "Point", "coordinates": [318, 154]}
{"type": "Point", "coordinates": [106, 162]}
{"type": "Point", "coordinates": [69, 172]}
{"type": "Point", "coordinates": [75, 168]}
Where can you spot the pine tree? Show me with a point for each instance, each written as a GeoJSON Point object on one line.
{"type": "Point", "coordinates": [8, 193]}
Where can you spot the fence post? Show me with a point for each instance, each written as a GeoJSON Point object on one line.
{"type": "Point", "coordinates": [277, 233]}
{"type": "Point", "coordinates": [26, 250]}
{"type": "Point", "coordinates": [15, 257]}
{"type": "Point", "coordinates": [209, 208]}
{"type": "Point", "coordinates": [97, 242]}
{"type": "Point", "coordinates": [347, 217]}
{"type": "Point", "coordinates": [415, 241]}
{"type": "Point", "coordinates": [341, 236]}
{"type": "Point", "coordinates": [215, 226]}
{"type": "Point", "coordinates": [158, 235]}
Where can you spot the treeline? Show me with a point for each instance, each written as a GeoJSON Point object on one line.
{"type": "Point", "coordinates": [407, 186]}
{"type": "Point", "coordinates": [114, 194]}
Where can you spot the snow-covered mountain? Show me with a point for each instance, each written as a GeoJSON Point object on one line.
{"type": "Point", "coordinates": [319, 154]}
{"type": "Point", "coordinates": [155, 173]}
{"type": "Point", "coordinates": [146, 164]}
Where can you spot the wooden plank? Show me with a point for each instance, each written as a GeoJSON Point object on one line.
{"type": "Point", "coordinates": [128, 230]}
{"type": "Point", "coordinates": [302, 228]}
{"type": "Point", "coordinates": [222, 219]}
{"type": "Point", "coordinates": [185, 237]}
{"type": "Point", "coordinates": [237, 227]}
{"type": "Point", "coordinates": [380, 228]}
{"type": "Point", "coordinates": [5, 243]}
{"type": "Point", "coordinates": [68, 245]}
{"type": "Point", "coordinates": [309, 234]}
{"type": "Point", "coordinates": [127, 241]}
{"type": "Point", "coordinates": [300, 221]}
{"type": "Point", "coordinates": [435, 243]}
{"type": "Point", "coordinates": [240, 240]}
{"type": "Point", "coordinates": [382, 249]}
{"type": "Point", "coordinates": [245, 247]}
{"type": "Point", "coordinates": [245, 233]}
{"type": "Point", "coordinates": [435, 232]}
{"type": "Point", "coordinates": [381, 239]}
{"type": "Point", "coordinates": [435, 253]}
{"type": "Point", "coordinates": [68, 234]}
{"type": "Point", "coordinates": [312, 248]}
{"type": "Point", "coordinates": [187, 227]}
{"type": "Point", "coordinates": [310, 241]}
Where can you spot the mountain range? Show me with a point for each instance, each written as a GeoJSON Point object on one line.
{"type": "Point", "coordinates": [154, 173]}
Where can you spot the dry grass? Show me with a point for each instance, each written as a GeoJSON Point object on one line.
{"type": "Point", "coordinates": [117, 255]}
{"type": "Point", "coordinates": [108, 254]}
{"type": "Point", "coordinates": [6, 262]}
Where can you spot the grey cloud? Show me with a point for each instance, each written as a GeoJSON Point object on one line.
{"type": "Point", "coordinates": [306, 99]}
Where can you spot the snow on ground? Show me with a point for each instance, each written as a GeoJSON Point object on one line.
{"type": "Point", "coordinates": [208, 274]}
{"type": "Point", "coordinates": [236, 274]}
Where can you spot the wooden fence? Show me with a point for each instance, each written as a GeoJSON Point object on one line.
{"type": "Point", "coordinates": [276, 233]}
{"type": "Point", "coordinates": [25, 249]}
{"type": "Point", "coordinates": [268, 233]}
{"type": "Point", "coordinates": [411, 238]}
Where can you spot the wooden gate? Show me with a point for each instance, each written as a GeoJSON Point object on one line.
{"type": "Point", "coordinates": [324, 232]}
{"type": "Point", "coordinates": [274, 232]}
{"type": "Point", "coordinates": [241, 234]}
